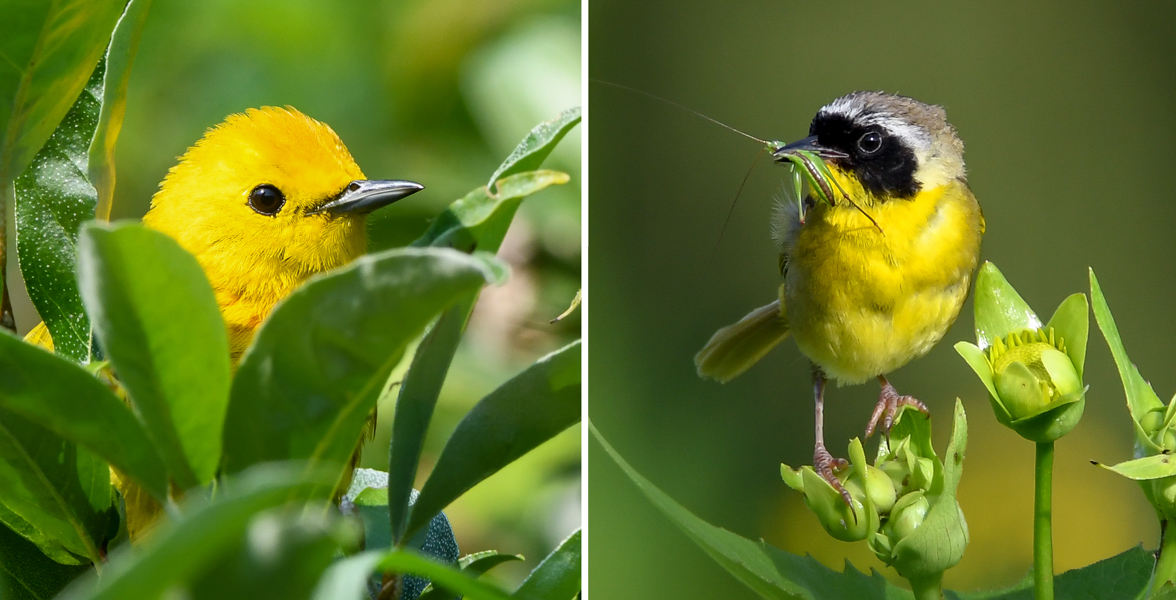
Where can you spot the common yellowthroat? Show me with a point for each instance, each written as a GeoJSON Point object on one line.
{"type": "Point", "coordinates": [873, 277]}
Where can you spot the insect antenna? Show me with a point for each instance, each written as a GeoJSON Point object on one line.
{"type": "Point", "coordinates": [680, 106]}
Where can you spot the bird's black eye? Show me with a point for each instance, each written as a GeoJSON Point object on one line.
{"type": "Point", "coordinates": [870, 143]}
{"type": "Point", "coordinates": [266, 199]}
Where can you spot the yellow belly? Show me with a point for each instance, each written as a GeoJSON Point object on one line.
{"type": "Point", "coordinates": [861, 303]}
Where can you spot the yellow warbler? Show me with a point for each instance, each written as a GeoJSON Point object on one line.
{"type": "Point", "coordinates": [263, 200]}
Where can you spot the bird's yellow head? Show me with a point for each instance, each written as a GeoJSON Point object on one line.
{"type": "Point", "coordinates": [271, 185]}
{"type": "Point", "coordinates": [264, 200]}
{"type": "Point", "coordinates": [883, 146]}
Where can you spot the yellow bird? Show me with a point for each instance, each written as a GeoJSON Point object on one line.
{"type": "Point", "coordinates": [264, 200]}
{"type": "Point", "coordinates": [873, 279]}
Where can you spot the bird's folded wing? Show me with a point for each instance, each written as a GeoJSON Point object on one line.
{"type": "Point", "coordinates": [734, 348]}
{"type": "Point", "coordinates": [39, 336]}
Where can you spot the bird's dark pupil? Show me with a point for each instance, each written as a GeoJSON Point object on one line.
{"type": "Point", "coordinates": [266, 199]}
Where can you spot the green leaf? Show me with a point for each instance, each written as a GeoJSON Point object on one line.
{"type": "Point", "coordinates": [65, 399]}
{"type": "Point", "coordinates": [480, 562]}
{"type": "Point", "coordinates": [157, 319]}
{"type": "Point", "coordinates": [1124, 576]}
{"type": "Point", "coordinates": [1141, 398]}
{"type": "Point", "coordinates": [61, 491]}
{"type": "Point", "coordinates": [207, 530]}
{"type": "Point", "coordinates": [120, 55]}
{"type": "Point", "coordinates": [480, 220]}
{"type": "Point", "coordinates": [770, 572]}
{"type": "Point", "coordinates": [347, 579]}
{"type": "Point", "coordinates": [1141, 469]}
{"type": "Point", "coordinates": [1071, 321]}
{"type": "Point", "coordinates": [27, 574]}
{"type": "Point", "coordinates": [306, 386]}
{"type": "Point", "coordinates": [558, 576]}
{"type": "Point", "coordinates": [414, 408]}
{"type": "Point", "coordinates": [512, 420]}
{"type": "Point", "coordinates": [999, 308]}
{"type": "Point", "coordinates": [534, 149]}
{"type": "Point", "coordinates": [282, 555]}
{"type": "Point", "coordinates": [48, 546]}
{"type": "Point", "coordinates": [53, 199]}
{"type": "Point", "coordinates": [49, 50]}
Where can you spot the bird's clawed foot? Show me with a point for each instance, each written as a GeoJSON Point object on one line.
{"type": "Point", "coordinates": [888, 404]}
{"type": "Point", "coordinates": [824, 463]}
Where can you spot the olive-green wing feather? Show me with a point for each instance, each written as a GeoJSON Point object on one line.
{"type": "Point", "coordinates": [734, 348]}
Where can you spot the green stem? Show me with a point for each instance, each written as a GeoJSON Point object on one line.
{"type": "Point", "coordinates": [1166, 565]}
{"type": "Point", "coordinates": [930, 588]}
{"type": "Point", "coordinates": [1042, 523]}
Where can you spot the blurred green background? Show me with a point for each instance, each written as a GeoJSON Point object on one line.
{"type": "Point", "coordinates": [436, 91]}
{"type": "Point", "coordinates": [1068, 111]}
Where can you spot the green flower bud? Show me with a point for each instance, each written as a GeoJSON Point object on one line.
{"type": "Point", "coordinates": [848, 523]}
{"type": "Point", "coordinates": [880, 489]}
{"type": "Point", "coordinates": [1152, 421]}
{"type": "Point", "coordinates": [1033, 373]}
{"type": "Point", "coordinates": [908, 514]}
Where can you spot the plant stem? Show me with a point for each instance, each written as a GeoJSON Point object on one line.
{"type": "Point", "coordinates": [930, 588]}
{"type": "Point", "coordinates": [1166, 564]}
{"type": "Point", "coordinates": [7, 321]}
{"type": "Point", "coordinates": [1042, 523]}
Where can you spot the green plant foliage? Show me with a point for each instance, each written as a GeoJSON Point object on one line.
{"type": "Point", "coordinates": [368, 496]}
{"type": "Point", "coordinates": [53, 198]}
{"type": "Point", "coordinates": [512, 420]}
{"type": "Point", "coordinates": [480, 219]}
{"type": "Point", "coordinates": [414, 409]}
{"type": "Point", "coordinates": [27, 574]}
{"type": "Point", "coordinates": [347, 578]}
{"type": "Point", "coordinates": [305, 392]}
{"type": "Point", "coordinates": [534, 149]}
{"type": "Point", "coordinates": [558, 576]}
{"type": "Point", "coordinates": [62, 492]}
{"type": "Point", "coordinates": [157, 320]}
{"type": "Point", "coordinates": [775, 574]}
{"type": "Point", "coordinates": [180, 551]}
{"type": "Point", "coordinates": [282, 554]}
{"type": "Point", "coordinates": [51, 49]}
{"type": "Point", "coordinates": [68, 401]}
{"type": "Point", "coordinates": [120, 55]}
{"type": "Point", "coordinates": [483, 220]}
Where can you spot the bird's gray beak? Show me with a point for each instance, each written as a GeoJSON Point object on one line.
{"type": "Point", "coordinates": [809, 144]}
{"type": "Point", "coordinates": [364, 196]}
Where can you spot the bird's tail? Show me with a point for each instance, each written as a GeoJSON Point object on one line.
{"type": "Point", "coordinates": [734, 348]}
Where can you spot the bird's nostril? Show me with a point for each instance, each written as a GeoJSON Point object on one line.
{"type": "Point", "coordinates": [354, 186]}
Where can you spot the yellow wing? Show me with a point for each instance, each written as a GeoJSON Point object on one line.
{"type": "Point", "coordinates": [39, 336]}
{"type": "Point", "coordinates": [734, 348]}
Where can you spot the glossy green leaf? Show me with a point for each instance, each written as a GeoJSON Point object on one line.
{"type": "Point", "coordinates": [27, 574]}
{"type": "Point", "coordinates": [347, 579]}
{"type": "Point", "coordinates": [53, 199]}
{"type": "Point", "coordinates": [208, 530]}
{"type": "Point", "coordinates": [1071, 322]}
{"type": "Point", "coordinates": [48, 546]}
{"type": "Point", "coordinates": [282, 555]}
{"type": "Point", "coordinates": [534, 149]}
{"type": "Point", "coordinates": [49, 50]}
{"type": "Point", "coordinates": [157, 318]}
{"type": "Point", "coordinates": [480, 220]}
{"type": "Point", "coordinates": [306, 386]}
{"type": "Point", "coordinates": [1141, 398]}
{"type": "Point", "coordinates": [65, 399]}
{"type": "Point", "coordinates": [512, 420]}
{"type": "Point", "coordinates": [1146, 468]}
{"type": "Point", "coordinates": [1124, 576]}
{"type": "Point", "coordinates": [999, 308]}
{"type": "Point", "coordinates": [414, 408]}
{"type": "Point", "coordinates": [479, 562]}
{"type": "Point", "coordinates": [120, 55]}
{"type": "Point", "coordinates": [61, 491]}
{"type": "Point", "coordinates": [770, 572]}
{"type": "Point", "coordinates": [558, 576]}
